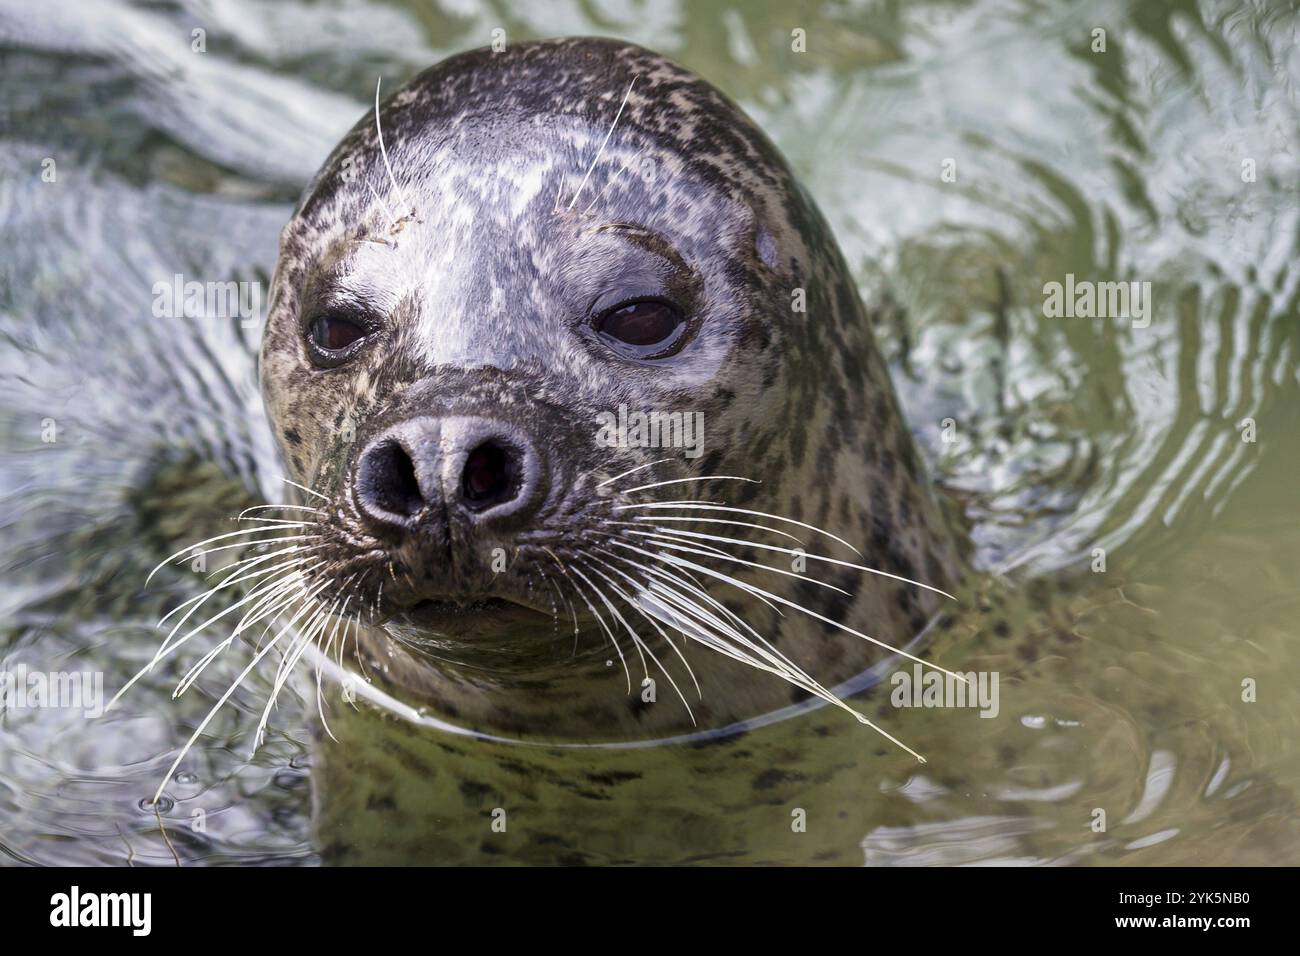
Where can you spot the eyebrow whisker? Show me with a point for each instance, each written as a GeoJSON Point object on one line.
{"type": "Point", "coordinates": [601, 151]}
{"type": "Point", "coordinates": [384, 152]}
{"type": "Point", "coordinates": [392, 220]}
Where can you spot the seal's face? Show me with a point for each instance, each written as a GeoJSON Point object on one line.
{"type": "Point", "coordinates": [455, 346]}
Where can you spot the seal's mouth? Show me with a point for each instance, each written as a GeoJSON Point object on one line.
{"type": "Point", "coordinates": [464, 618]}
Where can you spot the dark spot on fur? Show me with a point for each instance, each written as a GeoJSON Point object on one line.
{"type": "Point", "coordinates": [513, 766]}
{"type": "Point", "coordinates": [613, 777]}
{"type": "Point", "coordinates": [638, 706]}
{"type": "Point", "coordinates": [888, 464]}
{"type": "Point", "coordinates": [771, 778]}
{"type": "Point", "coordinates": [474, 792]}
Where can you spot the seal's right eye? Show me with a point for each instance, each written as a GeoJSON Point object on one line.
{"type": "Point", "coordinates": [333, 339]}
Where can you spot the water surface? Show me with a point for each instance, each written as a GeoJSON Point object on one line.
{"type": "Point", "coordinates": [1172, 157]}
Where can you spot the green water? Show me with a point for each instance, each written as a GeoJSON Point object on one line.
{"type": "Point", "coordinates": [966, 154]}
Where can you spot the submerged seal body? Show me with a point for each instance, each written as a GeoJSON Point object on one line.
{"type": "Point", "coordinates": [545, 239]}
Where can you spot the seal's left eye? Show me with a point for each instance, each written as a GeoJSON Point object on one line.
{"type": "Point", "coordinates": [331, 333]}
{"type": "Point", "coordinates": [646, 329]}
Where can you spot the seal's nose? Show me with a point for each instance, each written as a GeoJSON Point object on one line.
{"type": "Point", "coordinates": [478, 470]}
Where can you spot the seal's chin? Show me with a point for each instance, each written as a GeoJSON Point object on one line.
{"type": "Point", "coordinates": [451, 618]}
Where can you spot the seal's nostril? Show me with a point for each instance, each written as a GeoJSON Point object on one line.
{"type": "Point", "coordinates": [491, 475]}
{"type": "Point", "coordinates": [387, 480]}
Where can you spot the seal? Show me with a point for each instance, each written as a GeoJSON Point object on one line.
{"type": "Point", "coordinates": [517, 251]}
{"type": "Point", "coordinates": [480, 346]}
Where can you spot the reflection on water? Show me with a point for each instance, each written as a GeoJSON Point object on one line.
{"type": "Point", "coordinates": [967, 154]}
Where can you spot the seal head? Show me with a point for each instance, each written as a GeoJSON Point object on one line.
{"type": "Point", "coordinates": [547, 244]}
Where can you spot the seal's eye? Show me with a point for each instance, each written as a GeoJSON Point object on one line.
{"type": "Point", "coordinates": [645, 329]}
{"type": "Point", "coordinates": [333, 336]}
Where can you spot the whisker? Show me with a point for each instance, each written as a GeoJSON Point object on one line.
{"type": "Point", "coordinates": [275, 597]}
{"type": "Point", "coordinates": [678, 481]}
{"type": "Point", "coordinates": [243, 564]}
{"type": "Point", "coordinates": [356, 648]}
{"type": "Point", "coordinates": [315, 626]}
{"type": "Point", "coordinates": [752, 589]}
{"type": "Point", "coordinates": [800, 679]}
{"type": "Point", "coordinates": [237, 574]}
{"type": "Point", "coordinates": [631, 603]}
{"type": "Point", "coordinates": [257, 659]}
{"type": "Point", "coordinates": [674, 575]}
{"type": "Point", "coordinates": [605, 143]}
{"type": "Point", "coordinates": [383, 151]}
{"type": "Point", "coordinates": [309, 491]}
{"type": "Point", "coordinates": [709, 629]}
{"type": "Point", "coordinates": [712, 620]}
{"type": "Point", "coordinates": [262, 590]}
{"type": "Point", "coordinates": [254, 544]}
{"type": "Point", "coordinates": [811, 557]}
{"type": "Point", "coordinates": [272, 604]}
{"type": "Point", "coordinates": [561, 595]}
{"type": "Point", "coordinates": [307, 605]}
{"type": "Point", "coordinates": [631, 471]}
{"type": "Point", "coordinates": [698, 506]}
{"type": "Point", "coordinates": [324, 655]}
{"type": "Point", "coordinates": [277, 507]}
{"type": "Point", "coordinates": [605, 188]}
{"type": "Point", "coordinates": [728, 521]}
{"type": "Point", "coordinates": [640, 586]}
{"type": "Point", "coordinates": [636, 639]}
{"type": "Point", "coordinates": [783, 667]}
{"type": "Point", "coordinates": [635, 642]}
{"type": "Point", "coordinates": [282, 596]}
{"type": "Point", "coordinates": [704, 625]}
{"type": "Point", "coordinates": [392, 220]}
{"type": "Point", "coordinates": [608, 633]}
{"type": "Point", "coordinates": [669, 542]}
{"type": "Point", "coordinates": [192, 550]}
{"type": "Point", "coordinates": [163, 650]}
